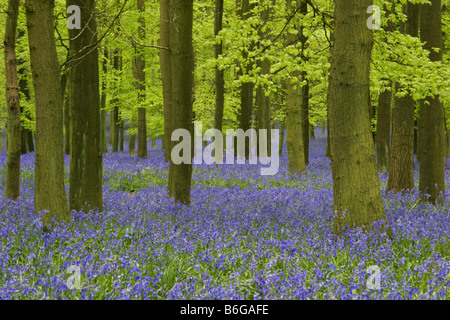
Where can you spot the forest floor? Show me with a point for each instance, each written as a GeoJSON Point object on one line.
{"type": "Point", "coordinates": [245, 236]}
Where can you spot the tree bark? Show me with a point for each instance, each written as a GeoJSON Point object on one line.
{"type": "Point", "coordinates": [50, 192]}
{"type": "Point", "coordinates": [401, 165]}
{"type": "Point", "coordinates": [431, 140]}
{"type": "Point", "coordinates": [166, 73]}
{"type": "Point", "coordinates": [182, 59]}
{"type": "Point", "coordinates": [86, 156]}
{"type": "Point", "coordinates": [12, 187]}
{"type": "Point", "coordinates": [383, 136]}
{"type": "Point", "coordinates": [140, 85]}
{"type": "Point", "coordinates": [356, 188]}
{"type": "Point", "coordinates": [220, 83]}
{"type": "Point", "coordinates": [103, 143]}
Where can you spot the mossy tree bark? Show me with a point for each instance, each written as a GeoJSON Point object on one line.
{"type": "Point", "coordinates": [50, 192]}
{"type": "Point", "coordinates": [356, 188]}
{"type": "Point", "coordinates": [182, 59]}
{"type": "Point", "coordinates": [86, 156]}
{"type": "Point", "coordinates": [14, 150]}
{"type": "Point", "coordinates": [401, 165]}
{"type": "Point", "coordinates": [103, 142]}
{"type": "Point", "coordinates": [166, 74]}
{"type": "Point", "coordinates": [431, 126]}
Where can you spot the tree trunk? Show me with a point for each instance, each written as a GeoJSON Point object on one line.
{"type": "Point", "coordinates": [115, 118]}
{"type": "Point", "coordinates": [383, 136]}
{"type": "Point", "coordinates": [103, 144]}
{"type": "Point", "coordinates": [356, 188]}
{"type": "Point", "coordinates": [283, 128]}
{"type": "Point", "coordinates": [246, 106]}
{"type": "Point", "coordinates": [220, 83]}
{"type": "Point", "coordinates": [140, 86]}
{"type": "Point", "coordinates": [50, 192]}
{"type": "Point", "coordinates": [401, 164]}
{"type": "Point", "coordinates": [305, 89]}
{"type": "Point", "coordinates": [166, 73]}
{"type": "Point", "coordinates": [12, 187]}
{"type": "Point", "coordinates": [86, 156]}
{"type": "Point", "coordinates": [182, 57]}
{"type": "Point", "coordinates": [431, 140]}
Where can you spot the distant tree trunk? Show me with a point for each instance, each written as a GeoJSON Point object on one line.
{"type": "Point", "coordinates": [50, 192]}
{"type": "Point", "coordinates": [431, 140]}
{"type": "Point", "coordinates": [283, 128]}
{"type": "Point", "coordinates": [294, 113]}
{"type": "Point", "coordinates": [86, 156]}
{"type": "Point", "coordinates": [166, 73]}
{"type": "Point", "coordinates": [103, 144]}
{"type": "Point", "coordinates": [383, 136]}
{"type": "Point", "coordinates": [401, 164]}
{"type": "Point", "coordinates": [26, 134]}
{"type": "Point", "coordinates": [114, 102]}
{"type": "Point", "coordinates": [246, 106]}
{"type": "Point", "coordinates": [356, 188]}
{"type": "Point", "coordinates": [305, 89]}
{"type": "Point", "coordinates": [182, 56]}
{"type": "Point", "coordinates": [140, 77]}
{"type": "Point", "coordinates": [66, 118]}
{"type": "Point", "coordinates": [262, 100]}
{"type": "Point", "coordinates": [12, 187]}
{"type": "Point", "coordinates": [220, 83]}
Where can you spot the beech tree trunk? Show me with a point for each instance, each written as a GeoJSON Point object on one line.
{"type": "Point", "coordinates": [50, 194]}
{"type": "Point", "coordinates": [166, 73]}
{"type": "Point", "coordinates": [12, 187]}
{"type": "Point", "coordinates": [103, 143]}
{"type": "Point", "coordinates": [431, 140]}
{"type": "Point", "coordinates": [356, 188]}
{"type": "Point", "coordinates": [182, 59]}
{"type": "Point", "coordinates": [140, 86]}
{"type": "Point", "coordinates": [220, 83]}
{"type": "Point", "coordinates": [401, 164]}
{"type": "Point", "coordinates": [86, 156]}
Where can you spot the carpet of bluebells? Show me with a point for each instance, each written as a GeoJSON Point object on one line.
{"type": "Point", "coordinates": [245, 236]}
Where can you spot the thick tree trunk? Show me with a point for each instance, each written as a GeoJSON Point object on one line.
{"type": "Point", "coordinates": [182, 58]}
{"type": "Point", "coordinates": [86, 156]}
{"type": "Point", "coordinates": [431, 140]}
{"type": "Point", "coordinates": [50, 192]}
{"type": "Point", "coordinates": [356, 188]}
{"type": "Point", "coordinates": [401, 164]}
{"type": "Point", "coordinates": [12, 187]}
{"type": "Point", "coordinates": [166, 73]}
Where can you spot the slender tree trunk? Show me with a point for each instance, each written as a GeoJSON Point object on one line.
{"type": "Point", "coordinates": [26, 134]}
{"type": "Point", "coordinates": [103, 144]}
{"type": "Point", "coordinates": [356, 188]}
{"type": "Point", "coordinates": [86, 156]}
{"type": "Point", "coordinates": [431, 140]}
{"type": "Point", "coordinates": [220, 83]}
{"type": "Point", "coordinates": [305, 89]}
{"type": "Point", "coordinates": [283, 128]}
{"type": "Point", "coordinates": [246, 106]}
{"type": "Point", "coordinates": [67, 126]}
{"type": "Point", "coordinates": [401, 164]}
{"type": "Point", "coordinates": [115, 118]}
{"type": "Point", "coordinates": [166, 73]}
{"type": "Point", "coordinates": [50, 192]}
{"type": "Point", "coordinates": [140, 67]}
{"type": "Point", "coordinates": [12, 187]}
{"type": "Point", "coordinates": [182, 56]}
{"type": "Point", "coordinates": [383, 136]}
